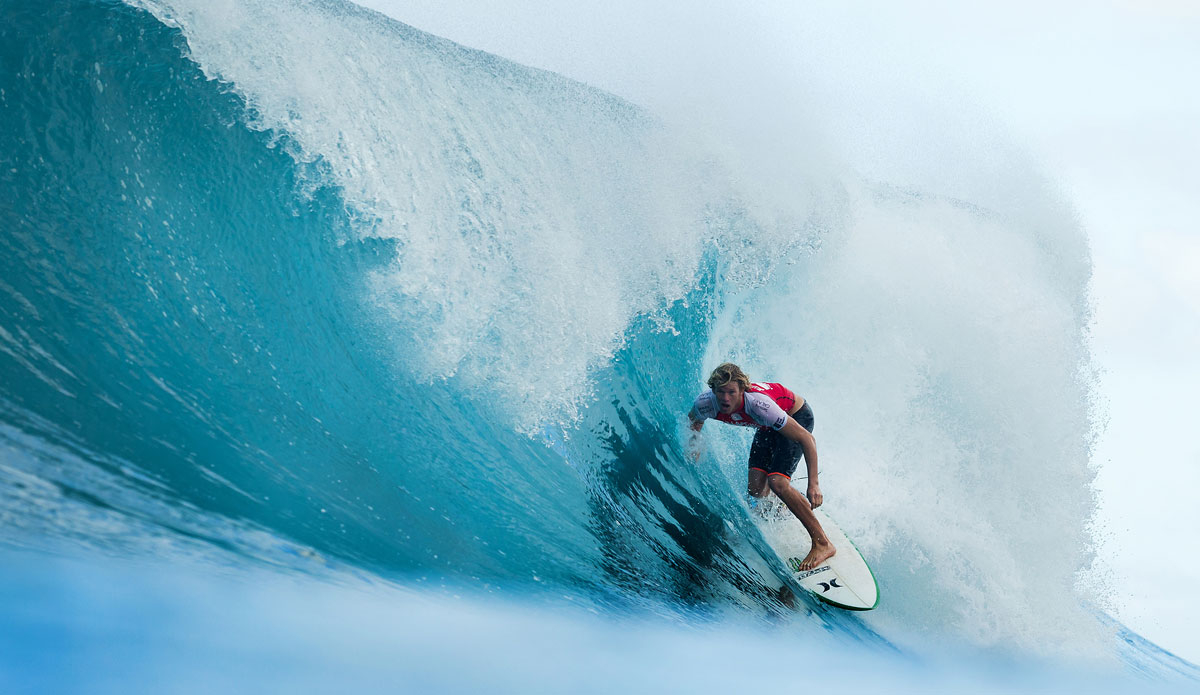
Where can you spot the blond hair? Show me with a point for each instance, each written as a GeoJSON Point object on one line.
{"type": "Point", "coordinates": [726, 373]}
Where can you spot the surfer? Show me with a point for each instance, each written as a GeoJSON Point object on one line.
{"type": "Point", "coordinates": [784, 435]}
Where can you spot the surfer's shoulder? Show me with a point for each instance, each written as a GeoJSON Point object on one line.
{"type": "Point", "coordinates": [705, 406]}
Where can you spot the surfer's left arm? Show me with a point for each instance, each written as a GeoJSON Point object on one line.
{"type": "Point", "coordinates": [795, 432]}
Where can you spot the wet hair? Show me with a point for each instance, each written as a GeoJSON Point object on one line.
{"type": "Point", "coordinates": [726, 373]}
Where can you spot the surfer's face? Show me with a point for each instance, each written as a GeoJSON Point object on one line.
{"type": "Point", "coordinates": [729, 397]}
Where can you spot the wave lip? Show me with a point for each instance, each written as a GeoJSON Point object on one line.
{"type": "Point", "coordinates": [519, 201]}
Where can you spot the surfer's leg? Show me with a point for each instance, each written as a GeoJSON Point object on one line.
{"type": "Point", "coordinates": [760, 463]}
{"type": "Point", "coordinates": [785, 458]}
{"type": "Point", "coordinates": [821, 549]}
{"type": "Point", "coordinates": [782, 457]}
{"type": "Point", "coordinates": [756, 483]}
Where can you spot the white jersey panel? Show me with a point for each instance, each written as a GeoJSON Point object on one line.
{"type": "Point", "coordinates": [706, 406]}
{"type": "Point", "coordinates": [764, 410]}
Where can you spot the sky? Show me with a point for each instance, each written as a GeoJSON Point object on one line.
{"type": "Point", "coordinates": [1101, 94]}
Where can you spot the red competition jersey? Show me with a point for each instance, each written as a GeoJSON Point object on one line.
{"type": "Point", "coordinates": [763, 405]}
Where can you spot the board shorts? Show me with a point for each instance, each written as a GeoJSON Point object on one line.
{"type": "Point", "coordinates": [774, 454]}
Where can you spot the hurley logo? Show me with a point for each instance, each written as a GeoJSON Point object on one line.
{"type": "Point", "coordinates": [831, 583]}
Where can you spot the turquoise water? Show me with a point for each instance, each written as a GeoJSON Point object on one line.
{"type": "Point", "coordinates": [297, 296]}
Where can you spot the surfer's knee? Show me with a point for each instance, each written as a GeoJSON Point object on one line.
{"type": "Point", "coordinates": [778, 482]}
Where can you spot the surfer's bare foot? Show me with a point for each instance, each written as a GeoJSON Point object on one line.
{"type": "Point", "coordinates": [820, 553]}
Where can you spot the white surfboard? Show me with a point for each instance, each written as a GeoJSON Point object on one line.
{"type": "Point", "coordinates": [843, 580]}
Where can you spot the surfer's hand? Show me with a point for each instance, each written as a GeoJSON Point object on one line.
{"type": "Point", "coordinates": [814, 495]}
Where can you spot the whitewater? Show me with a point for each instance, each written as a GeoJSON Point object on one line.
{"type": "Point", "coordinates": [335, 354]}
